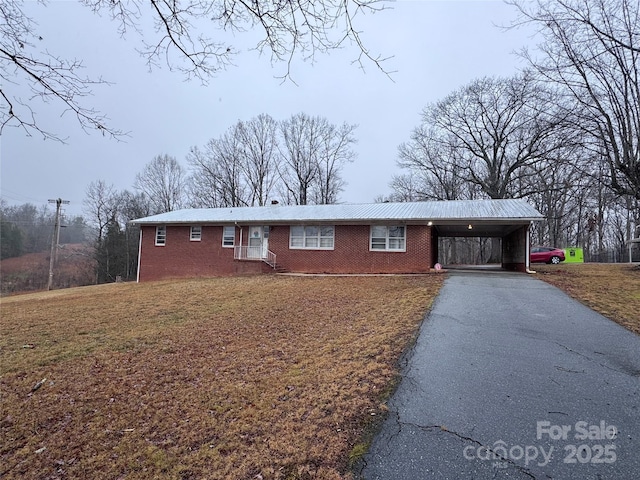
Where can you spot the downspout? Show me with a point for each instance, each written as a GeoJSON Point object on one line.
{"type": "Point", "coordinates": [527, 258]}
{"type": "Point", "coordinates": [139, 255]}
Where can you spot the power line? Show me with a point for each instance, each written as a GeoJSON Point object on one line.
{"type": "Point", "coordinates": [16, 196]}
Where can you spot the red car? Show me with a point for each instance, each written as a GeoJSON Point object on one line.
{"type": "Point", "coordinates": [546, 255]}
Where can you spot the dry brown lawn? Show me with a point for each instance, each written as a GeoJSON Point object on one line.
{"type": "Point", "coordinates": [238, 378]}
{"type": "Point", "coordinates": [611, 289]}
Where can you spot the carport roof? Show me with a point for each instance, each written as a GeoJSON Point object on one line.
{"type": "Point", "coordinates": [507, 211]}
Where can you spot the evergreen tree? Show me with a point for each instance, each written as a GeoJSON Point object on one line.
{"type": "Point", "coordinates": [11, 242]}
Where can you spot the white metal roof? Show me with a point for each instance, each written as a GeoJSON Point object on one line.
{"type": "Point", "coordinates": [512, 210]}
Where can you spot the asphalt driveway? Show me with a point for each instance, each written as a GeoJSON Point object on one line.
{"type": "Point", "coordinates": [511, 378]}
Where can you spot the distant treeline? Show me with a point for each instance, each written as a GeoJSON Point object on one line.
{"type": "Point", "coordinates": [28, 229]}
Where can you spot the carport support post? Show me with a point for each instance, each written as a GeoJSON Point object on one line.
{"type": "Point", "coordinates": [527, 253]}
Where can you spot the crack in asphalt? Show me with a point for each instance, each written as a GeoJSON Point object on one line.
{"type": "Point", "coordinates": [442, 428]}
{"type": "Point", "coordinates": [562, 369]}
{"type": "Point", "coordinates": [397, 422]}
{"type": "Point", "coordinates": [630, 372]}
{"type": "Point", "coordinates": [575, 352]}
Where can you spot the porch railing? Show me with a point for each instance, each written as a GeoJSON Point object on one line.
{"type": "Point", "coordinates": [254, 253]}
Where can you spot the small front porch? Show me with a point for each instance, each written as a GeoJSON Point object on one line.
{"type": "Point", "coordinates": [255, 254]}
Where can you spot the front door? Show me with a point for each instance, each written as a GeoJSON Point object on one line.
{"type": "Point", "coordinates": [258, 242]}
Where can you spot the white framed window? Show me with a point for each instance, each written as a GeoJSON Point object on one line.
{"type": "Point", "coordinates": [196, 233]}
{"type": "Point", "coordinates": [228, 236]}
{"type": "Point", "coordinates": [161, 235]}
{"type": "Point", "coordinates": [388, 237]}
{"type": "Point", "coordinates": [311, 237]}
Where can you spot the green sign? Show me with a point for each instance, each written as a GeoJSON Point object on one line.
{"type": "Point", "coordinates": [573, 255]}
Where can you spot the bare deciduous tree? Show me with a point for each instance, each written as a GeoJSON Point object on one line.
{"type": "Point", "coordinates": [314, 152]}
{"type": "Point", "coordinates": [335, 153]}
{"type": "Point", "coordinates": [495, 130]}
{"type": "Point", "coordinates": [50, 78]}
{"type": "Point", "coordinates": [300, 145]}
{"type": "Point", "coordinates": [405, 188]}
{"type": "Point", "coordinates": [182, 37]}
{"type": "Point", "coordinates": [300, 160]}
{"type": "Point", "coordinates": [132, 206]}
{"type": "Point", "coordinates": [217, 173]}
{"type": "Point", "coordinates": [435, 172]}
{"type": "Point", "coordinates": [187, 35]}
{"type": "Point", "coordinates": [163, 181]}
{"type": "Point", "coordinates": [101, 205]}
{"type": "Point", "coordinates": [488, 138]}
{"type": "Point", "coordinates": [591, 49]}
{"type": "Point", "coordinates": [260, 156]}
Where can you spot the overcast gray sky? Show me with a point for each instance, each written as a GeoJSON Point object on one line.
{"type": "Point", "coordinates": [437, 46]}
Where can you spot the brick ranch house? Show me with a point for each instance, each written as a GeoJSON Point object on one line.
{"type": "Point", "coordinates": [367, 238]}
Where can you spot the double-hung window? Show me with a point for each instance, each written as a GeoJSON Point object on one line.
{"type": "Point", "coordinates": [196, 233]}
{"type": "Point", "coordinates": [228, 236]}
{"type": "Point", "coordinates": [312, 237]}
{"type": "Point", "coordinates": [388, 237]}
{"type": "Point", "coordinates": [161, 235]}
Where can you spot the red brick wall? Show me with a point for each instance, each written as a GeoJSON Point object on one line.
{"type": "Point", "coordinates": [351, 253]}
{"type": "Point", "coordinates": [181, 257]}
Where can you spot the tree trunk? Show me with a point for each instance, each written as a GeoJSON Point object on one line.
{"type": "Point", "coordinates": [496, 251]}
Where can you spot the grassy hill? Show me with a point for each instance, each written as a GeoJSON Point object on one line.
{"type": "Point", "coordinates": [258, 377]}
{"type": "Point", "coordinates": [248, 377]}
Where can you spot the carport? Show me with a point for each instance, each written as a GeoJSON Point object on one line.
{"type": "Point", "coordinates": [508, 220]}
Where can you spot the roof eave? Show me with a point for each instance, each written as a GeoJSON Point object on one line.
{"type": "Point", "coordinates": [345, 221]}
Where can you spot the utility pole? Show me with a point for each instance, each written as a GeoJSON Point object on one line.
{"type": "Point", "coordinates": [55, 239]}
